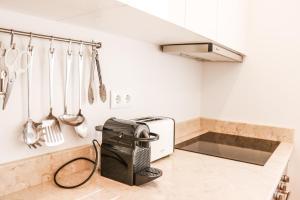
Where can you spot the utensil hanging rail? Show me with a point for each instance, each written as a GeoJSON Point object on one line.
{"type": "Point", "coordinates": [49, 37]}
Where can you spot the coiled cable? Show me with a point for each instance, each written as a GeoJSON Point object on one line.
{"type": "Point", "coordinates": [95, 162]}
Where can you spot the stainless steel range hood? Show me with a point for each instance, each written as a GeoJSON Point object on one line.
{"type": "Point", "coordinates": [203, 51]}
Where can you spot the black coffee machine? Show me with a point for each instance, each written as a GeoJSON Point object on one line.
{"type": "Point", "coordinates": [125, 152]}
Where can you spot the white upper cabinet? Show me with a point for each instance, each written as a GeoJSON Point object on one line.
{"type": "Point", "coordinates": [201, 17]}
{"type": "Point", "coordinates": [231, 28]}
{"type": "Point", "coordinates": [170, 10]}
{"type": "Point", "coordinates": [159, 22]}
{"type": "Point", "coordinates": [222, 21]}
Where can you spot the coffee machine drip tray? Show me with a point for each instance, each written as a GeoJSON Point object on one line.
{"type": "Point", "coordinates": [239, 148]}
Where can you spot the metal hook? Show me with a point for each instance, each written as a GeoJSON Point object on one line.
{"type": "Point", "coordinates": [12, 44]}
{"type": "Point", "coordinates": [30, 47]}
{"type": "Point", "coordinates": [98, 45]}
{"type": "Point", "coordinates": [69, 47]}
{"type": "Point", "coordinates": [51, 45]}
{"type": "Point", "coordinates": [30, 39]}
{"type": "Point", "coordinates": [80, 49]}
{"type": "Point", "coordinates": [93, 45]}
{"type": "Point", "coordinates": [94, 48]}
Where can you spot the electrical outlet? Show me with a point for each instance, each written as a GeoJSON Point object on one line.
{"type": "Point", "coordinates": [115, 100]}
{"type": "Point", "coordinates": [127, 99]}
{"type": "Point", "coordinates": [120, 99]}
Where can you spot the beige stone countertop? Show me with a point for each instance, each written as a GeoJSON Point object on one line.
{"type": "Point", "coordinates": [186, 176]}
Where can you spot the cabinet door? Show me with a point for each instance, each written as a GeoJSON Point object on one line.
{"type": "Point", "coordinates": [154, 7]}
{"type": "Point", "coordinates": [176, 12]}
{"type": "Point", "coordinates": [201, 17]}
{"type": "Point", "coordinates": [169, 10]}
{"type": "Point", "coordinates": [232, 23]}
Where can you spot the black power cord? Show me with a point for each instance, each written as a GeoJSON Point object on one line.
{"type": "Point", "coordinates": [95, 162]}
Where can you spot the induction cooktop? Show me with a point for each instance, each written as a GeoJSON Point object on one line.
{"type": "Point", "coordinates": [234, 147]}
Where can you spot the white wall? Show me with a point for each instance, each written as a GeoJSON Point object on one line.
{"type": "Point", "coordinates": [265, 89]}
{"type": "Point", "coordinates": [161, 84]}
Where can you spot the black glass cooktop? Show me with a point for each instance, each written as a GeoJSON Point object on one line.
{"type": "Point", "coordinates": [239, 148]}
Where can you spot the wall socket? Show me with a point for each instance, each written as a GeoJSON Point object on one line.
{"type": "Point", "coordinates": [120, 99]}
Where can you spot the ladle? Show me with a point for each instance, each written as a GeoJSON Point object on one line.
{"type": "Point", "coordinates": [82, 129]}
{"type": "Point", "coordinates": [69, 119]}
{"type": "Point", "coordinates": [31, 134]}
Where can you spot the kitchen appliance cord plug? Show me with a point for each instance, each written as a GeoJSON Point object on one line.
{"type": "Point", "coordinates": [95, 162]}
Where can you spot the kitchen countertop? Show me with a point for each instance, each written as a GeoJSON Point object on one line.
{"type": "Point", "coordinates": [186, 175]}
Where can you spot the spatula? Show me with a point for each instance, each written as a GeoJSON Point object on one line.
{"type": "Point", "coordinates": [51, 127]}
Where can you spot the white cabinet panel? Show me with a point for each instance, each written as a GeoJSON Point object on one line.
{"type": "Point", "coordinates": [201, 17]}
{"type": "Point", "coordinates": [176, 12]}
{"type": "Point", "coordinates": [154, 7]}
{"type": "Point", "coordinates": [170, 10]}
{"type": "Point", "coordinates": [232, 23]}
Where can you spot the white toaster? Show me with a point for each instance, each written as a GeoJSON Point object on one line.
{"type": "Point", "coordinates": [165, 128]}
